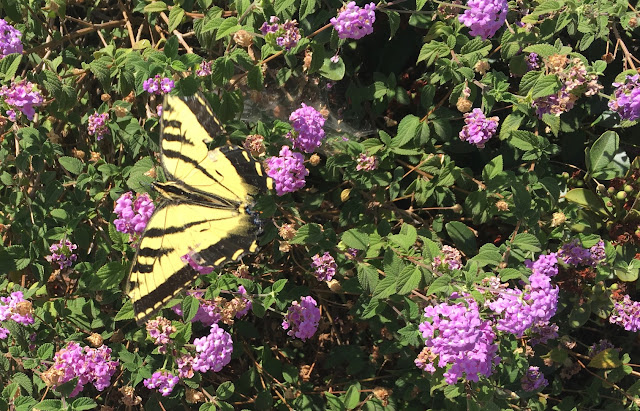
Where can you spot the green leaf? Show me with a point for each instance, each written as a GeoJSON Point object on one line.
{"type": "Point", "coordinates": [23, 381]}
{"type": "Point", "coordinates": [408, 280]}
{"type": "Point", "coordinates": [45, 351]}
{"type": "Point", "coordinates": [108, 276]}
{"type": "Point", "coordinates": [510, 123]}
{"type": "Point", "coordinates": [227, 27]}
{"type": "Point", "coordinates": [524, 140]}
{"type": "Point", "coordinates": [526, 242]}
{"type": "Point", "coordinates": [492, 168]}
{"type": "Point", "coordinates": [542, 50]}
{"type": "Point", "coordinates": [171, 47]}
{"type": "Point", "coordinates": [332, 71]}
{"type": "Point", "coordinates": [406, 238]}
{"type": "Point", "coordinates": [352, 397]}
{"type": "Point", "coordinates": [603, 159]}
{"type": "Point", "coordinates": [308, 234]}
{"type": "Point", "coordinates": [462, 237]}
{"type": "Point", "coordinates": [83, 403]}
{"type": "Point", "coordinates": [306, 7]}
{"type": "Point", "coordinates": [355, 238]}
{"type": "Point", "coordinates": [175, 17]}
{"type": "Point", "coordinates": [385, 288]}
{"type": "Point", "coordinates": [607, 359]}
{"type": "Point", "coordinates": [367, 277]}
{"type": "Point", "coordinates": [528, 81]}
{"type": "Point", "coordinates": [545, 86]}
{"type": "Point", "coordinates": [587, 199]}
{"type": "Point", "coordinates": [407, 130]}
{"type": "Point", "coordinates": [156, 7]}
{"type": "Point", "coordinates": [126, 312]}
{"type": "Point", "coordinates": [394, 22]}
{"type": "Point", "coordinates": [71, 164]}
{"type": "Point", "coordinates": [190, 307]}
{"type": "Point", "coordinates": [225, 390]}
{"type": "Point", "coordinates": [49, 405]}
{"type": "Point", "coordinates": [433, 50]}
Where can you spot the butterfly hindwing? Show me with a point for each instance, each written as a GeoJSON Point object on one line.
{"type": "Point", "coordinates": [205, 217]}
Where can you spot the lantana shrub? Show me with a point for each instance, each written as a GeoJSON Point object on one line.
{"type": "Point", "coordinates": [454, 224]}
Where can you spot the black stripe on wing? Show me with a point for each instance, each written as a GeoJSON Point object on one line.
{"type": "Point", "coordinates": [227, 250]}
{"type": "Point", "coordinates": [250, 169]}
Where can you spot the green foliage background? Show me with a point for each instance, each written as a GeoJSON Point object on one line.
{"type": "Point", "coordinates": [392, 94]}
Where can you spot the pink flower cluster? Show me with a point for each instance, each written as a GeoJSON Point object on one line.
{"type": "Point", "coordinates": [97, 125]}
{"type": "Point", "coordinates": [519, 310]}
{"type": "Point", "coordinates": [366, 163]}
{"type": "Point", "coordinates": [9, 39]}
{"type": "Point", "coordinates": [626, 313]}
{"type": "Point", "coordinates": [133, 215]}
{"type": "Point", "coordinates": [89, 365]}
{"type": "Point", "coordinates": [324, 266]}
{"type": "Point", "coordinates": [302, 318]}
{"type": "Point", "coordinates": [214, 350]}
{"type": "Point", "coordinates": [286, 35]}
{"type": "Point", "coordinates": [626, 101]}
{"type": "Point", "coordinates": [484, 17]}
{"type": "Point", "coordinates": [573, 253]}
{"type": "Point", "coordinates": [15, 308]}
{"type": "Point", "coordinates": [307, 123]}
{"type": "Point", "coordinates": [451, 259]}
{"type": "Point", "coordinates": [457, 336]}
{"type": "Point", "coordinates": [158, 85]}
{"type": "Point", "coordinates": [354, 22]}
{"type": "Point", "coordinates": [163, 381]}
{"type": "Point", "coordinates": [22, 95]}
{"type": "Point", "coordinates": [62, 253]}
{"type": "Point", "coordinates": [478, 129]}
{"type": "Point", "coordinates": [288, 171]}
{"type": "Point", "coordinates": [160, 330]}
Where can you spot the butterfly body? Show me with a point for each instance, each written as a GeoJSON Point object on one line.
{"type": "Point", "coordinates": [205, 217]}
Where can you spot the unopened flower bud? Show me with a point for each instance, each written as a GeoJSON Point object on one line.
{"type": "Point", "coordinates": [502, 205]}
{"type": "Point", "coordinates": [95, 340]}
{"type": "Point", "coordinates": [457, 208]}
{"type": "Point", "coordinates": [120, 111]}
{"type": "Point", "coordinates": [105, 97]}
{"type": "Point", "coordinates": [314, 159]}
{"type": "Point", "coordinates": [481, 67]}
{"type": "Point", "coordinates": [192, 396]}
{"type": "Point", "coordinates": [464, 105]}
{"type": "Point", "coordinates": [255, 144]}
{"type": "Point", "coordinates": [345, 194]}
{"type": "Point", "coordinates": [558, 219]}
{"type": "Point", "coordinates": [243, 38]}
{"type": "Point", "coordinates": [287, 231]}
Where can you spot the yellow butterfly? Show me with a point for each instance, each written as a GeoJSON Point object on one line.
{"type": "Point", "coordinates": [205, 217]}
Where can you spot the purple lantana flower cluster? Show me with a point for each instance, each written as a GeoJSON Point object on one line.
{"type": "Point", "coordinates": [307, 123]}
{"type": "Point", "coordinates": [533, 61]}
{"type": "Point", "coordinates": [97, 125]}
{"type": "Point", "coordinates": [22, 95]}
{"type": "Point", "coordinates": [533, 380]}
{"type": "Point", "coordinates": [450, 259]}
{"type": "Point", "coordinates": [214, 350]}
{"type": "Point", "coordinates": [286, 35]}
{"type": "Point", "coordinates": [15, 308]}
{"type": "Point", "coordinates": [163, 381]}
{"type": "Point", "coordinates": [324, 266]}
{"type": "Point", "coordinates": [573, 253]}
{"type": "Point", "coordinates": [518, 310]}
{"type": "Point", "coordinates": [88, 365]}
{"type": "Point", "coordinates": [626, 101]}
{"type": "Point", "coordinates": [459, 339]}
{"type": "Point", "coordinates": [62, 253]}
{"type": "Point", "coordinates": [287, 170]}
{"type": "Point", "coordinates": [484, 17]}
{"type": "Point", "coordinates": [9, 39]}
{"type": "Point", "coordinates": [158, 85]}
{"type": "Point", "coordinates": [478, 129]}
{"type": "Point", "coordinates": [133, 215]}
{"type": "Point", "coordinates": [302, 318]}
{"type": "Point", "coordinates": [575, 81]}
{"type": "Point", "coordinates": [205, 69]}
{"type": "Point", "coordinates": [366, 163]}
{"type": "Point", "coordinates": [159, 330]}
{"type": "Point", "coordinates": [354, 22]}
{"type": "Point", "coordinates": [626, 314]}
